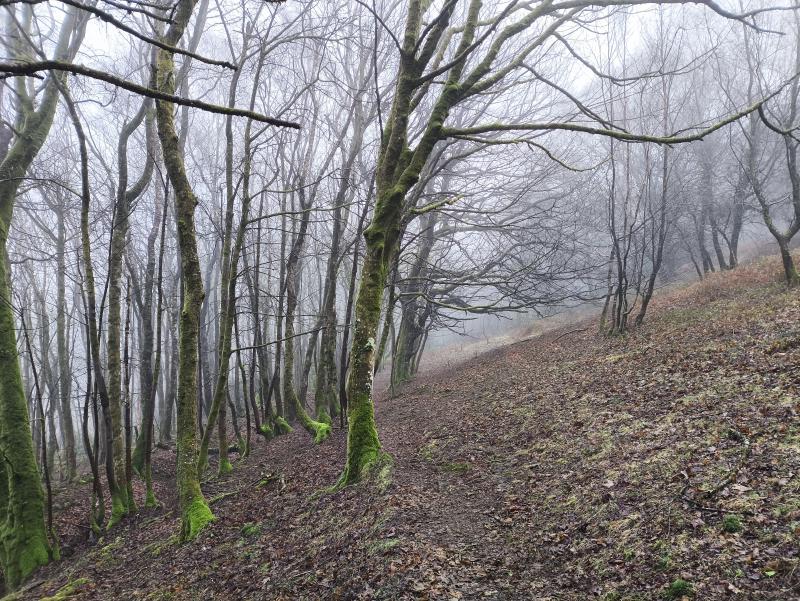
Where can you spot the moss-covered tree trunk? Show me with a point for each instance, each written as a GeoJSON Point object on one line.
{"type": "Point", "coordinates": [23, 535]}
{"type": "Point", "coordinates": [97, 512]}
{"type": "Point", "coordinates": [348, 312]}
{"type": "Point", "coordinates": [363, 445]}
{"type": "Point", "coordinates": [121, 501]}
{"type": "Point", "coordinates": [398, 170]}
{"type": "Point", "coordinates": [326, 393]}
{"type": "Point", "coordinates": [195, 513]}
{"type": "Point", "coordinates": [319, 430]}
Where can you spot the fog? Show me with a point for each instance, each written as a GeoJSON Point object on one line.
{"type": "Point", "coordinates": [221, 217]}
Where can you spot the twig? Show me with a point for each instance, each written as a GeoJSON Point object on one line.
{"type": "Point", "coordinates": [735, 471]}
{"type": "Point", "coordinates": [724, 482]}
{"type": "Point", "coordinates": [560, 336]}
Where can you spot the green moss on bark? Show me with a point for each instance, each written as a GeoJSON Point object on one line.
{"type": "Point", "coordinates": [364, 452]}
{"type": "Point", "coordinates": [363, 445]}
{"type": "Point", "coordinates": [322, 431]}
{"type": "Point", "coordinates": [68, 590]}
{"type": "Point", "coordinates": [150, 500]}
{"type": "Point", "coordinates": [319, 430]}
{"type": "Point", "coordinates": [24, 551]}
{"type": "Point", "coordinates": [281, 426]}
{"type": "Point", "coordinates": [196, 516]}
{"type": "Point", "coordinates": [119, 506]}
{"type": "Point", "coordinates": [324, 417]}
{"type": "Point", "coordinates": [24, 543]}
{"type": "Point", "coordinates": [137, 457]}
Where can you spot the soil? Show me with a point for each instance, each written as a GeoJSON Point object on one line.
{"type": "Point", "coordinates": [658, 465]}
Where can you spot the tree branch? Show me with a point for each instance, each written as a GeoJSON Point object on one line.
{"type": "Point", "coordinates": [611, 133]}
{"type": "Point", "coordinates": [16, 69]}
{"type": "Point", "coordinates": [112, 20]}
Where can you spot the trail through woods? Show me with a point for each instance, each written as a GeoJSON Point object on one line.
{"type": "Point", "coordinates": [567, 466]}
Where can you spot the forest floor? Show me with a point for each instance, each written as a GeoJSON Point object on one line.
{"type": "Point", "coordinates": [566, 466]}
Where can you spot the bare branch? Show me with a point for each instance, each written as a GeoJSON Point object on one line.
{"type": "Point", "coordinates": [16, 69]}
{"type": "Point", "coordinates": [610, 133]}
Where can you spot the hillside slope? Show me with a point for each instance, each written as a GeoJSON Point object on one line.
{"type": "Point", "coordinates": [568, 466]}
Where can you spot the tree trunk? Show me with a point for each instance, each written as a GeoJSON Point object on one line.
{"type": "Point", "coordinates": [23, 535]}
{"type": "Point", "coordinates": [789, 269]}
{"type": "Point", "coordinates": [126, 400]}
{"type": "Point", "coordinates": [148, 430]}
{"type": "Point", "coordinates": [194, 511]}
{"type": "Point", "coordinates": [121, 501]}
{"type": "Point", "coordinates": [147, 377]}
{"type": "Point", "coordinates": [348, 313]}
{"type": "Point", "coordinates": [319, 430]}
{"type": "Point", "coordinates": [167, 408]}
{"type": "Point", "coordinates": [64, 376]}
{"type": "Point", "coordinates": [738, 218]}
{"type": "Point", "coordinates": [363, 445]}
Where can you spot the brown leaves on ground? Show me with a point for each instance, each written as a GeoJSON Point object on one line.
{"type": "Point", "coordinates": [570, 466]}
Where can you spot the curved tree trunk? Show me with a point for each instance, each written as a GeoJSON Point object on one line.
{"type": "Point", "coordinates": [91, 301]}
{"type": "Point", "coordinates": [23, 535]}
{"type": "Point", "coordinates": [98, 508]}
{"type": "Point", "coordinates": [122, 502]}
{"type": "Point", "coordinates": [319, 430]}
{"type": "Point", "coordinates": [195, 513]}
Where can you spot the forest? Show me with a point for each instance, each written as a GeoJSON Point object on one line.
{"type": "Point", "coordinates": [400, 299]}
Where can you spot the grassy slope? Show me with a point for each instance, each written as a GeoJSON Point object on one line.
{"type": "Point", "coordinates": [569, 466]}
